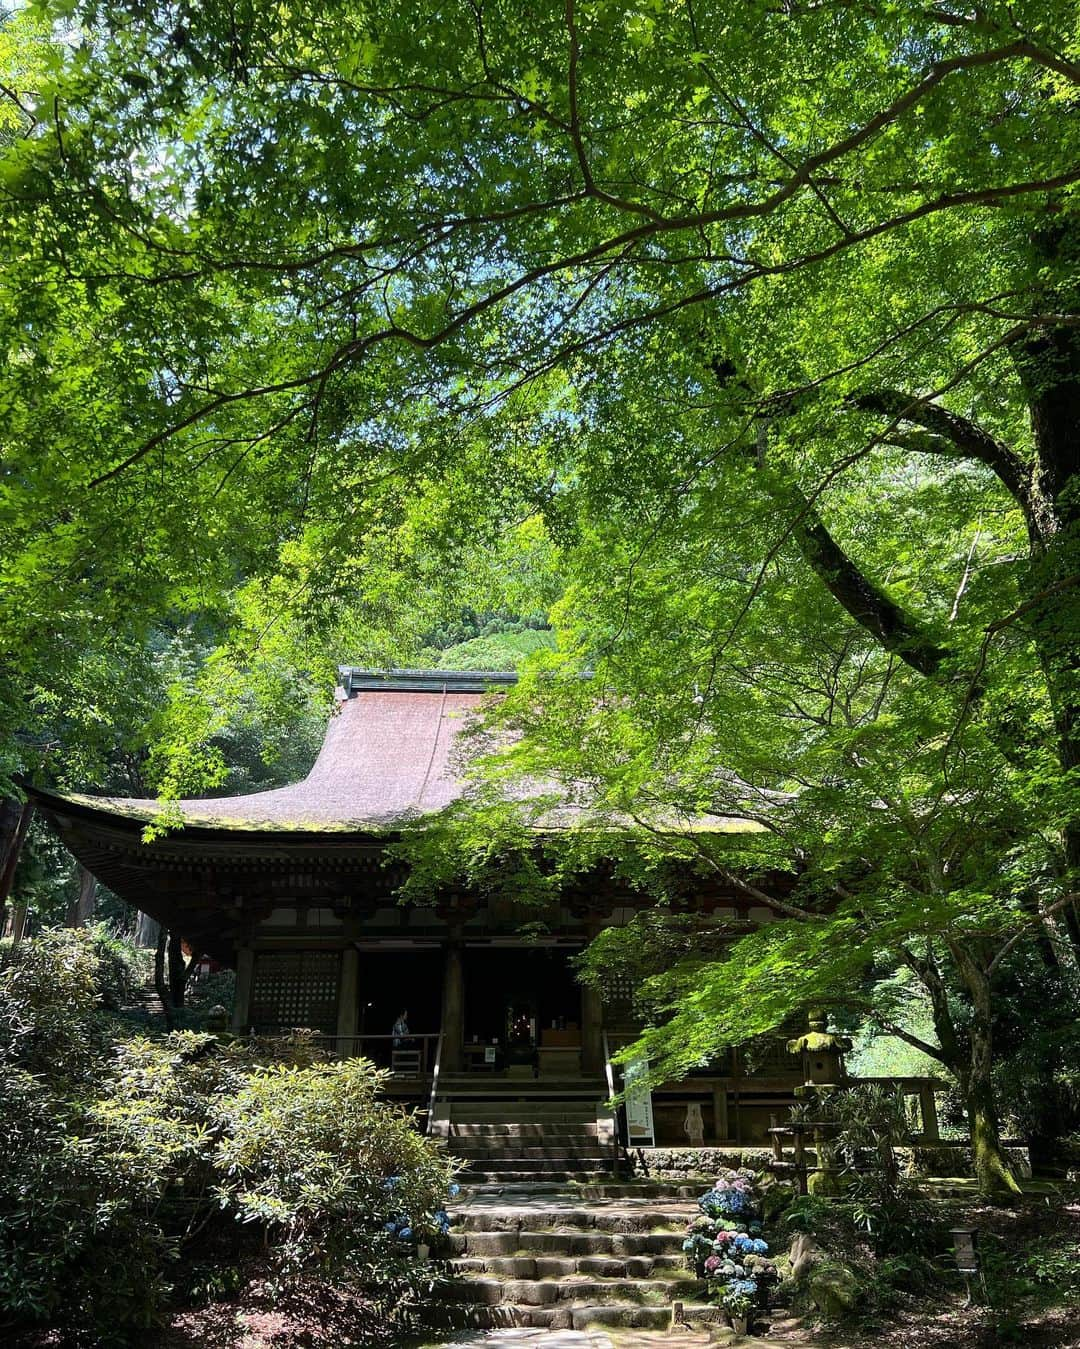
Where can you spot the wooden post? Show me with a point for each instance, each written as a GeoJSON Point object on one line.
{"type": "Point", "coordinates": [800, 1161]}
{"type": "Point", "coordinates": [592, 1030]}
{"type": "Point", "coordinates": [453, 1006]}
{"type": "Point", "coordinates": [348, 1005]}
{"type": "Point", "coordinates": [777, 1141]}
{"type": "Point", "coordinates": [245, 977]}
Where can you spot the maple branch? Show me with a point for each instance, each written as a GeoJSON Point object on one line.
{"type": "Point", "coordinates": [952, 434]}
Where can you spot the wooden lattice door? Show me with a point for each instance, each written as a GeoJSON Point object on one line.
{"type": "Point", "coordinates": [295, 988]}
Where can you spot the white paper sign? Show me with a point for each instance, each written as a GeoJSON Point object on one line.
{"type": "Point", "coordinates": [639, 1116]}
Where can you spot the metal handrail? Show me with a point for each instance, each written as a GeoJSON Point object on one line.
{"type": "Point", "coordinates": [434, 1082]}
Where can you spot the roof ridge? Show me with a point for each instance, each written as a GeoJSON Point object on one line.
{"type": "Point", "coordinates": [355, 678]}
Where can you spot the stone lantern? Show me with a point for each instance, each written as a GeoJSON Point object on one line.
{"type": "Point", "coordinates": [822, 1052]}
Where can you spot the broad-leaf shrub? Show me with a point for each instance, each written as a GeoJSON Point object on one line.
{"type": "Point", "coordinates": [139, 1172]}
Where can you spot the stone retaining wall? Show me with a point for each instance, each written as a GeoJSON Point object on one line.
{"type": "Point", "coordinates": [677, 1163]}
{"type": "Point", "coordinates": [942, 1158]}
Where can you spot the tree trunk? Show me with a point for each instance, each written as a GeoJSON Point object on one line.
{"type": "Point", "coordinates": [147, 930]}
{"type": "Point", "coordinates": [1049, 369]}
{"type": "Point", "coordinates": [15, 817]}
{"type": "Point", "coordinates": [20, 914]}
{"type": "Point", "coordinates": [969, 1056]}
{"type": "Point", "coordinates": [993, 1173]}
{"type": "Point", "coordinates": [81, 908]}
{"type": "Point", "coordinates": [992, 1170]}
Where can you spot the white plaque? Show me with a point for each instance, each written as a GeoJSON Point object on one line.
{"type": "Point", "coordinates": [639, 1116]}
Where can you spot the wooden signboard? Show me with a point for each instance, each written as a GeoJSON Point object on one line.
{"type": "Point", "coordinates": [640, 1131]}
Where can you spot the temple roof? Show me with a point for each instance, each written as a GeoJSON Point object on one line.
{"type": "Point", "coordinates": [386, 760]}
{"type": "Point", "coordinates": [390, 757]}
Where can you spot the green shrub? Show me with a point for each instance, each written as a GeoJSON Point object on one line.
{"type": "Point", "coordinates": [48, 996]}
{"type": "Point", "coordinates": [866, 1125]}
{"type": "Point", "coordinates": [140, 1170]}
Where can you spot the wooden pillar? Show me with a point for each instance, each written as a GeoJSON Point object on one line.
{"type": "Point", "coordinates": [348, 1005]}
{"type": "Point", "coordinates": [453, 1006]}
{"type": "Point", "coordinates": [928, 1111]}
{"type": "Point", "coordinates": [720, 1114]}
{"type": "Point", "coordinates": [592, 1030]}
{"type": "Point", "coordinates": [592, 1016]}
{"type": "Point", "coordinates": [245, 975]}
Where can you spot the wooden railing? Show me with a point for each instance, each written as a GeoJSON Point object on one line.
{"type": "Point", "coordinates": [412, 1056]}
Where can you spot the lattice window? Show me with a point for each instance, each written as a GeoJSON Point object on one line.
{"type": "Point", "coordinates": [295, 988]}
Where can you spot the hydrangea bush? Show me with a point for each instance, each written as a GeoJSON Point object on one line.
{"type": "Point", "coordinates": [725, 1247]}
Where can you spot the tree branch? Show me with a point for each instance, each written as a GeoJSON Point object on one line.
{"type": "Point", "coordinates": [1017, 937]}
{"type": "Point", "coordinates": [867, 603]}
{"type": "Point", "coordinates": [952, 434]}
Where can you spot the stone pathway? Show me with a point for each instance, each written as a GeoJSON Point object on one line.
{"type": "Point", "coordinates": [688, 1338]}
{"type": "Point", "coordinates": [542, 1339]}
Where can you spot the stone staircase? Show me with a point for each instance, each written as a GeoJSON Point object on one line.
{"type": "Point", "coordinates": [531, 1142]}
{"type": "Point", "coordinates": [539, 1256]}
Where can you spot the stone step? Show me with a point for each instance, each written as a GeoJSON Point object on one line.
{"type": "Point", "coordinates": [567, 1243]}
{"type": "Point", "coordinates": [562, 1316]}
{"type": "Point", "coordinates": [585, 1145]}
{"type": "Point", "coordinates": [538, 1165]}
{"type": "Point", "coordinates": [585, 1128]}
{"type": "Point", "coordinates": [561, 1218]}
{"type": "Point", "coordinates": [476, 1176]}
{"type": "Point", "coordinates": [660, 1189]}
{"type": "Point", "coordinates": [545, 1292]}
{"type": "Point", "coordinates": [528, 1112]}
{"type": "Point", "coordinates": [565, 1267]}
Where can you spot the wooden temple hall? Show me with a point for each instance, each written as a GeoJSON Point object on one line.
{"type": "Point", "coordinates": [291, 887]}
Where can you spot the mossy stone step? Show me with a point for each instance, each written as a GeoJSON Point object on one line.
{"type": "Point", "coordinates": [561, 1316]}
{"type": "Point", "coordinates": [483, 1176]}
{"type": "Point", "coordinates": [581, 1219]}
{"type": "Point", "coordinates": [647, 1189]}
{"type": "Point", "coordinates": [544, 1292]}
{"type": "Point", "coordinates": [460, 1128]}
{"type": "Point", "coordinates": [564, 1266]}
{"type": "Point", "coordinates": [566, 1243]}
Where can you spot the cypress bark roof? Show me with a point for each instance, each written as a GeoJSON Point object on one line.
{"type": "Point", "coordinates": [386, 760]}
{"type": "Point", "coordinates": [390, 757]}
